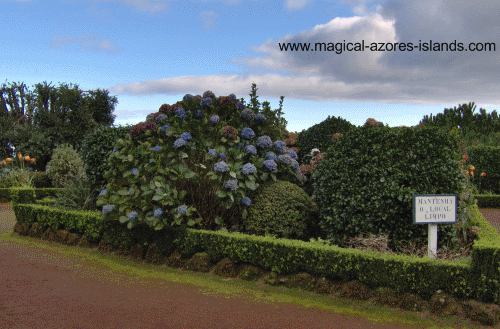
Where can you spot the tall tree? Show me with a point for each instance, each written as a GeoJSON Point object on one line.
{"type": "Point", "coordinates": [61, 115]}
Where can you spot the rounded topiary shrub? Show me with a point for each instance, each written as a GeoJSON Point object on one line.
{"type": "Point", "coordinates": [65, 166]}
{"type": "Point", "coordinates": [367, 179]}
{"type": "Point", "coordinates": [96, 149]}
{"type": "Point", "coordinates": [320, 136]}
{"type": "Point", "coordinates": [192, 163]}
{"type": "Point", "coordinates": [284, 210]}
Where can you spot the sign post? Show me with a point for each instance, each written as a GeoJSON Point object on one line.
{"type": "Point", "coordinates": [434, 209]}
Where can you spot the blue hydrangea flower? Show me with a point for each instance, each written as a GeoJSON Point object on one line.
{"type": "Point", "coordinates": [157, 213]}
{"type": "Point", "coordinates": [186, 136]}
{"type": "Point", "coordinates": [214, 119]}
{"type": "Point", "coordinates": [248, 168]}
{"type": "Point", "coordinates": [246, 201]}
{"type": "Point", "coordinates": [135, 171]}
{"type": "Point", "coordinates": [285, 158]}
{"type": "Point", "coordinates": [247, 114]}
{"type": "Point", "coordinates": [180, 111]}
{"type": "Point", "coordinates": [180, 142]}
{"type": "Point", "coordinates": [260, 117]}
{"type": "Point", "coordinates": [292, 154]}
{"type": "Point", "coordinates": [212, 152]}
{"type": "Point", "coordinates": [241, 144]}
{"type": "Point", "coordinates": [231, 184]}
{"type": "Point", "coordinates": [161, 117]}
{"type": "Point", "coordinates": [150, 116]}
{"type": "Point", "coordinates": [182, 115]}
{"type": "Point", "coordinates": [157, 148]}
{"type": "Point", "coordinates": [221, 166]}
{"type": "Point", "coordinates": [103, 193]}
{"type": "Point", "coordinates": [280, 146]}
{"type": "Point", "coordinates": [115, 150]}
{"type": "Point", "coordinates": [129, 192]}
{"type": "Point", "coordinates": [187, 97]}
{"type": "Point", "coordinates": [247, 133]}
{"type": "Point", "coordinates": [151, 161]}
{"type": "Point", "coordinates": [206, 101]}
{"type": "Point", "coordinates": [270, 165]}
{"type": "Point", "coordinates": [294, 165]}
{"type": "Point", "coordinates": [251, 149]}
{"type": "Point", "coordinates": [264, 142]}
{"type": "Point", "coordinates": [107, 209]}
{"type": "Point", "coordinates": [270, 156]}
{"type": "Point", "coordinates": [164, 128]}
{"type": "Point", "coordinates": [240, 106]}
{"type": "Point", "coordinates": [222, 155]}
{"type": "Point", "coordinates": [197, 115]}
{"type": "Point", "coordinates": [182, 209]}
{"type": "Point", "coordinates": [188, 112]}
{"type": "Point", "coordinates": [133, 215]}
{"type": "Point", "coordinates": [233, 97]}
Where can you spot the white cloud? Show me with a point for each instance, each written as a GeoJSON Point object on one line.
{"type": "Point", "coordinates": [392, 76]}
{"type": "Point", "coordinates": [88, 42]}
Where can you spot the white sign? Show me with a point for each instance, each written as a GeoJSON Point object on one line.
{"type": "Point", "coordinates": [432, 210]}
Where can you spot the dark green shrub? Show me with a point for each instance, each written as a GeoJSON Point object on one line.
{"type": "Point", "coordinates": [64, 166]}
{"type": "Point", "coordinates": [96, 150]}
{"type": "Point", "coordinates": [367, 180]}
{"type": "Point", "coordinates": [320, 136]}
{"type": "Point", "coordinates": [282, 209]}
{"type": "Point", "coordinates": [41, 180]}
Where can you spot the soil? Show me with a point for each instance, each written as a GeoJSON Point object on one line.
{"type": "Point", "coordinates": [49, 285]}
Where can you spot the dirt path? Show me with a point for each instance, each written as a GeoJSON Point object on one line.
{"type": "Point", "coordinates": [49, 285]}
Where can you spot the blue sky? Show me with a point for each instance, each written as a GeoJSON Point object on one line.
{"type": "Point", "coordinates": [150, 52]}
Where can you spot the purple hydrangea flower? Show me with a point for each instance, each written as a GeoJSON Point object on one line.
{"type": "Point", "coordinates": [251, 149]}
{"type": "Point", "coordinates": [280, 146]}
{"type": "Point", "coordinates": [294, 165]}
{"type": "Point", "coordinates": [292, 154]}
{"type": "Point", "coordinates": [240, 106]}
{"type": "Point", "coordinates": [103, 193]}
{"type": "Point", "coordinates": [212, 152]}
{"type": "Point", "coordinates": [231, 184]}
{"type": "Point", "coordinates": [182, 209]}
{"type": "Point", "coordinates": [157, 213]}
{"type": "Point", "coordinates": [135, 171]}
{"type": "Point", "coordinates": [161, 117]}
{"type": "Point", "coordinates": [260, 117]}
{"type": "Point", "coordinates": [186, 136]}
{"type": "Point", "coordinates": [206, 101]}
{"type": "Point", "coordinates": [270, 156]}
{"type": "Point", "coordinates": [270, 165]}
{"type": "Point", "coordinates": [107, 209]}
{"type": "Point", "coordinates": [247, 133]}
{"type": "Point", "coordinates": [133, 215]}
{"type": "Point", "coordinates": [247, 114]}
{"type": "Point", "coordinates": [180, 142]}
{"type": "Point", "coordinates": [197, 115]}
{"type": "Point", "coordinates": [187, 97]}
{"type": "Point", "coordinates": [246, 201]}
{"type": "Point", "coordinates": [241, 144]}
{"type": "Point", "coordinates": [264, 142]}
{"type": "Point", "coordinates": [233, 97]}
{"type": "Point", "coordinates": [222, 155]}
{"type": "Point", "coordinates": [150, 116]}
{"type": "Point", "coordinates": [180, 111]}
{"type": "Point", "coordinates": [248, 168]}
{"type": "Point", "coordinates": [164, 128]}
{"type": "Point", "coordinates": [285, 158]}
{"type": "Point", "coordinates": [157, 148]}
{"type": "Point", "coordinates": [221, 166]}
{"type": "Point", "coordinates": [214, 119]}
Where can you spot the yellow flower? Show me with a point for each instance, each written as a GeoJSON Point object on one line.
{"type": "Point", "coordinates": [471, 168]}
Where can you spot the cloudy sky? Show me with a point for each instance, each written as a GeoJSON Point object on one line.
{"type": "Point", "coordinates": [150, 52]}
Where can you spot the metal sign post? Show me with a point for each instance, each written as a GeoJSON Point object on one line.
{"type": "Point", "coordinates": [434, 209]}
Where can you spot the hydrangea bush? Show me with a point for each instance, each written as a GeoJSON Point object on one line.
{"type": "Point", "coordinates": [197, 163]}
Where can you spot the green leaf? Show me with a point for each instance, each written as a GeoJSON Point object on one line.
{"type": "Point", "coordinates": [232, 174]}
{"type": "Point", "coordinates": [130, 157]}
{"type": "Point", "coordinates": [221, 193]}
{"type": "Point", "coordinates": [156, 197]}
{"type": "Point", "coordinates": [218, 221]}
{"type": "Point", "coordinates": [251, 185]}
{"type": "Point", "coordinates": [150, 218]}
{"type": "Point", "coordinates": [231, 196]}
{"type": "Point", "coordinates": [158, 184]}
{"type": "Point", "coordinates": [191, 222]}
{"type": "Point", "coordinates": [158, 226]}
{"type": "Point", "coordinates": [123, 219]}
{"type": "Point", "coordinates": [184, 155]}
{"type": "Point", "coordinates": [190, 174]}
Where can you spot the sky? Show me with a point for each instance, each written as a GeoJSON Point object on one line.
{"type": "Point", "coordinates": [151, 52]}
